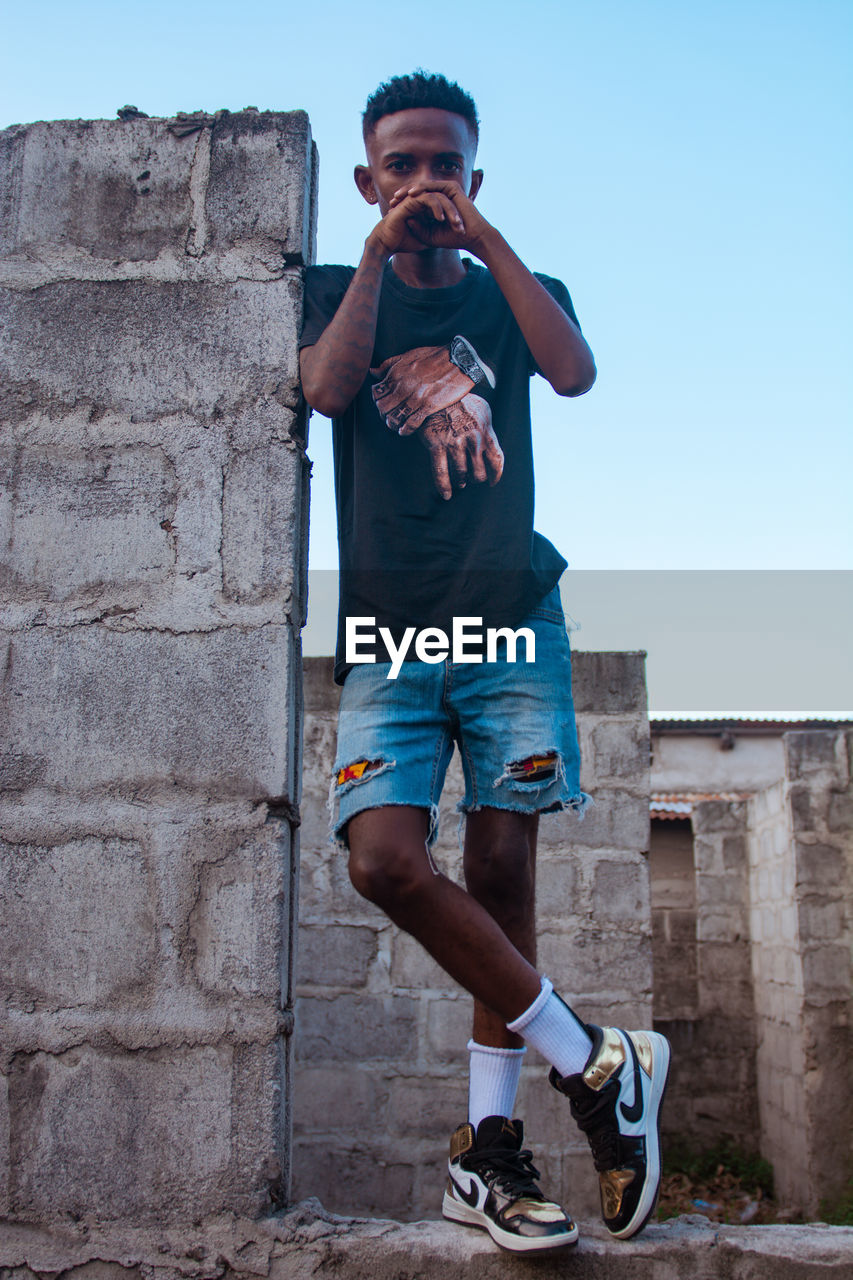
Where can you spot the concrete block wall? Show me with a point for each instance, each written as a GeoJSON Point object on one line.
{"type": "Point", "coordinates": [713, 1082]}
{"type": "Point", "coordinates": [381, 1064]}
{"type": "Point", "coordinates": [152, 557]}
{"type": "Point", "coordinates": [801, 882]}
{"type": "Point", "coordinates": [673, 900]}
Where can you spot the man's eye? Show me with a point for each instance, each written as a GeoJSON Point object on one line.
{"type": "Point", "coordinates": [450, 166]}
{"type": "Point", "coordinates": [398, 166]}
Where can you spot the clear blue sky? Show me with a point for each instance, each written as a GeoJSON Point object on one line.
{"type": "Point", "coordinates": [685, 168]}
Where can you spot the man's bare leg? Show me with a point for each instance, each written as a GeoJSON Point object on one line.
{"type": "Point", "coordinates": [390, 865]}
{"type": "Point", "coordinates": [500, 873]}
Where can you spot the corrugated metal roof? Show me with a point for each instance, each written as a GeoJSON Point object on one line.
{"type": "Point", "coordinates": [679, 804]}
{"type": "Point", "coordinates": [755, 725]}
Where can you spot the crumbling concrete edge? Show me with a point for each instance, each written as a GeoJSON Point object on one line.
{"type": "Point", "coordinates": [306, 1241]}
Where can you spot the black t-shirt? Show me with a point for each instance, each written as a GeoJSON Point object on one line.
{"type": "Point", "coordinates": [408, 556]}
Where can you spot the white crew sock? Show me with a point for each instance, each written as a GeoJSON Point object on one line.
{"type": "Point", "coordinates": [493, 1081]}
{"type": "Point", "coordinates": [551, 1027]}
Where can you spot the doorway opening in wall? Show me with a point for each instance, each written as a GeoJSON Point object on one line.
{"type": "Point", "coordinates": [672, 873]}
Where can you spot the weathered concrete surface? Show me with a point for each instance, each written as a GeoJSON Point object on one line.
{"type": "Point", "coordinates": [713, 1074]}
{"type": "Point", "coordinates": [221, 195]}
{"type": "Point", "coordinates": [153, 505]}
{"type": "Point", "coordinates": [307, 1243]}
{"type": "Point", "coordinates": [381, 1032]}
{"type": "Point", "coordinates": [801, 920]}
{"type": "Point", "coordinates": [753, 911]}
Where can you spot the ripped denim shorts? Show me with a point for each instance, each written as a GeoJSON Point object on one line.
{"type": "Point", "coordinates": [513, 722]}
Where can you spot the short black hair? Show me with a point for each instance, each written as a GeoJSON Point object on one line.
{"type": "Point", "coordinates": [420, 89]}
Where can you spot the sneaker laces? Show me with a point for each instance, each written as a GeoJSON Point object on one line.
{"type": "Point", "coordinates": [514, 1171]}
{"type": "Point", "coordinates": [595, 1116]}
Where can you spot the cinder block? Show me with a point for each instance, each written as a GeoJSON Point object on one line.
{"type": "Point", "coordinates": [821, 921]}
{"type": "Point", "coordinates": [320, 736]}
{"type": "Point", "coordinates": [261, 1099]}
{"type": "Point", "coordinates": [675, 996]}
{"type": "Point", "coordinates": [579, 1185]}
{"type": "Point", "coordinates": [547, 1119]}
{"type": "Point", "coordinates": [839, 815]}
{"type": "Point", "coordinates": [449, 1029]}
{"type": "Point", "coordinates": [356, 1028]}
{"type": "Point", "coordinates": [428, 1106]}
{"type": "Point", "coordinates": [558, 892]}
{"type": "Point", "coordinates": [322, 695]}
{"type": "Point", "coordinates": [259, 190]}
{"type": "Point", "coordinates": [595, 960]}
{"type": "Point", "coordinates": [325, 889]}
{"type": "Point", "coordinates": [4, 1146]}
{"type": "Point", "coordinates": [826, 970]}
{"type": "Point", "coordinates": [716, 891]}
{"type": "Point", "coordinates": [115, 189]}
{"type": "Point", "coordinates": [343, 1100]}
{"type": "Point", "coordinates": [125, 709]}
{"type": "Point", "coordinates": [260, 526]}
{"type": "Point", "coordinates": [412, 966]}
{"type": "Point", "coordinates": [317, 851]}
{"type": "Point", "coordinates": [116, 1135]}
{"type": "Point", "coordinates": [819, 867]}
{"type": "Point", "coordinates": [681, 927]}
{"type": "Point", "coordinates": [708, 857]}
{"type": "Point", "coordinates": [237, 924]}
{"type": "Point", "coordinates": [805, 808]}
{"type": "Point", "coordinates": [612, 1010]}
{"type": "Point", "coordinates": [621, 892]}
{"type": "Point", "coordinates": [609, 683]}
{"type": "Point", "coordinates": [335, 956]}
{"type": "Point", "coordinates": [19, 770]}
{"type": "Point", "coordinates": [620, 749]}
{"type": "Point", "coordinates": [809, 752]}
{"type": "Point", "coordinates": [78, 923]}
{"type": "Point", "coordinates": [122, 189]}
{"type": "Point", "coordinates": [718, 815]}
{"type": "Point", "coordinates": [205, 349]}
{"type": "Point", "coordinates": [617, 820]}
{"type": "Point", "coordinates": [735, 855]}
{"type": "Point", "coordinates": [75, 518]}
{"type": "Point", "coordinates": [725, 975]}
{"type": "Point", "coordinates": [714, 923]}
{"type": "Point", "coordinates": [353, 1180]}
{"type": "Point", "coordinates": [430, 1181]}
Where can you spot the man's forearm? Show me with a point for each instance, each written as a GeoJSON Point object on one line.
{"type": "Point", "coordinates": [557, 345]}
{"type": "Point", "coordinates": [334, 368]}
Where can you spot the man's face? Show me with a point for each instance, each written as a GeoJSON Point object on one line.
{"type": "Point", "coordinates": [422, 144]}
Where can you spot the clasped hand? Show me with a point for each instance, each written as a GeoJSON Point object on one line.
{"type": "Point", "coordinates": [423, 390]}
{"type": "Point", "coordinates": [436, 214]}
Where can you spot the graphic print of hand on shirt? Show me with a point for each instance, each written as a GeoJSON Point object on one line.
{"type": "Point", "coordinates": [429, 390]}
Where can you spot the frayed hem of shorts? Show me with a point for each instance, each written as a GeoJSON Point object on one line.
{"type": "Point", "coordinates": [577, 804]}
{"type": "Point", "coordinates": [335, 828]}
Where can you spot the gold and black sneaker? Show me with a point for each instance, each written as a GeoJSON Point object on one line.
{"type": "Point", "coordinates": [616, 1101]}
{"type": "Point", "coordinates": [492, 1184]}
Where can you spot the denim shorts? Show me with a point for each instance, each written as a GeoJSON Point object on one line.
{"type": "Point", "coordinates": [513, 722]}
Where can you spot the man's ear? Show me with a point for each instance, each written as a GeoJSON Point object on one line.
{"type": "Point", "coordinates": [364, 182]}
{"type": "Point", "coordinates": [476, 183]}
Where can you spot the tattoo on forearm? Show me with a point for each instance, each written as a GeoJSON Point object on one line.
{"type": "Point", "coordinates": [346, 347]}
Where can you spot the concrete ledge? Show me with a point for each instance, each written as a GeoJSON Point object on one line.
{"type": "Point", "coordinates": [308, 1242]}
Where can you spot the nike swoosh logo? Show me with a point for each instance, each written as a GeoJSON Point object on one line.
{"type": "Point", "coordinates": [471, 1196]}
{"type": "Point", "coordinates": [635, 1112]}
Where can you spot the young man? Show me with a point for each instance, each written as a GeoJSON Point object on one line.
{"type": "Point", "coordinates": [423, 360]}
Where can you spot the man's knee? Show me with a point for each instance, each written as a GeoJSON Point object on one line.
{"type": "Point", "coordinates": [388, 862]}
{"type": "Point", "coordinates": [499, 864]}
{"type": "Point", "coordinates": [386, 876]}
